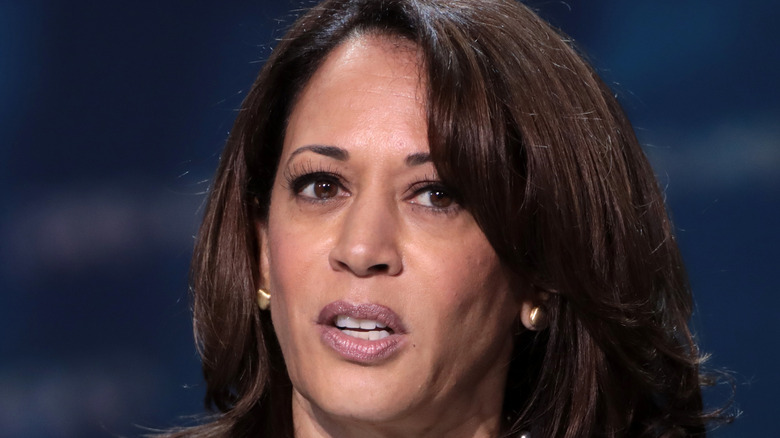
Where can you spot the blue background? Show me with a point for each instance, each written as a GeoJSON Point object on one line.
{"type": "Point", "coordinates": [113, 114]}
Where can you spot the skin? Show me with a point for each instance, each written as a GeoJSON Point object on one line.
{"type": "Point", "coordinates": [374, 227]}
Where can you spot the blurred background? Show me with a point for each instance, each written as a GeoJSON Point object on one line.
{"type": "Point", "coordinates": [112, 118]}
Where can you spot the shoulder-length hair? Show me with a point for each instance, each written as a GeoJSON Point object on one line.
{"type": "Point", "coordinates": [544, 158]}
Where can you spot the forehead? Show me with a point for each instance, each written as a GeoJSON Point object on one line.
{"type": "Point", "coordinates": [367, 92]}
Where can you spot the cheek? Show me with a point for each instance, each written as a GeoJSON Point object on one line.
{"type": "Point", "coordinates": [297, 262]}
{"type": "Point", "coordinates": [484, 304]}
{"type": "Point", "coordinates": [286, 258]}
{"type": "Point", "coordinates": [295, 248]}
{"type": "Point", "coordinates": [289, 260]}
{"type": "Point", "coordinates": [474, 293]}
{"type": "Point", "coordinates": [467, 317]}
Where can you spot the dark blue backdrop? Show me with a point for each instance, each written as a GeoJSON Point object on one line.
{"type": "Point", "coordinates": [112, 115]}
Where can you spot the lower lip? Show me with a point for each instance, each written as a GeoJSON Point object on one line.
{"type": "Point", "coordinates": [361, 350]}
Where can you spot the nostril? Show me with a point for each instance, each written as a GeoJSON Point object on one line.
{"type": "Point", "coordinates": [379, 268]}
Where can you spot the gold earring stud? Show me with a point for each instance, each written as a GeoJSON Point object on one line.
{"type": "Point", "coordinates": [538, 318]}
{"type": "Point", "coordinates": [263, 299]}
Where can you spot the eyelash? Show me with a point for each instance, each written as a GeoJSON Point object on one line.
{"type": "Point", "coordinates": [300, 177]}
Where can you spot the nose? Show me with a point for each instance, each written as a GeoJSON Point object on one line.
{"type": "Point", "coordinates": [367, 243]}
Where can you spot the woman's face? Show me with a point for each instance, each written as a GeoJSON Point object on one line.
{"type": "Point", "coordinates": [389, 303]}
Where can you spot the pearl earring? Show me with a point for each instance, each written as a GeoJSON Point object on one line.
{"type": "Point", "coordinates": [538, 317]}
{"type": "Point", "coordinates": [263, 299]}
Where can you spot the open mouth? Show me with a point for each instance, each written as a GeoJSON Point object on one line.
{"type": "Point", "coordinates": [365, 333]}
{"type": "Point", "coordinates": [367, 329]}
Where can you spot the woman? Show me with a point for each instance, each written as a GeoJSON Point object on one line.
{"type": "Point", "coordinates": [433, 219]}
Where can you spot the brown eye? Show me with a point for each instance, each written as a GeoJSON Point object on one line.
{"type": "Point", "coordinates": [325, 189]}
{"type": "Point", "coordinates": [434, 198]}
{"type": "Point", "coordinates": [439, 199]}
{"type": "Point", "coordinates": [318, 187]}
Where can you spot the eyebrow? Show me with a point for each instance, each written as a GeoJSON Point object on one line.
{"type": "Point", "coordinates": [340, 154]}
{"type": "Point", "coordinates": [328, 151]}
{"type": "Point", "coordinates": [418, 159]}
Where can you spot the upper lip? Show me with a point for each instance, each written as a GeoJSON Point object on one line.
{"type": "Point", "coordinates": [376, 312]}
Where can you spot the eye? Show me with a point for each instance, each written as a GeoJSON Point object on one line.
{"type": "Point", "coordinates": [433, 197]}
{"type": "Point", "coordinates": [317, 186]}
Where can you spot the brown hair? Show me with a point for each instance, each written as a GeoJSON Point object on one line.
{"type": "Point", "coordinates": [544, 158]}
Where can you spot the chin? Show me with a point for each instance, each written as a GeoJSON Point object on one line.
{"type": "Point", "coordinates": [361, 394]}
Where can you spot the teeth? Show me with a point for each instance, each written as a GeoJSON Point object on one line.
{"type": "Point", "coordinates": [369, 329]}
{"type": "Point", "coordinates": [347, 322]}
{"type": "Point", "coordinates": [374, 335]}
{"type": "Point", "coordinates": [365, 324]}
